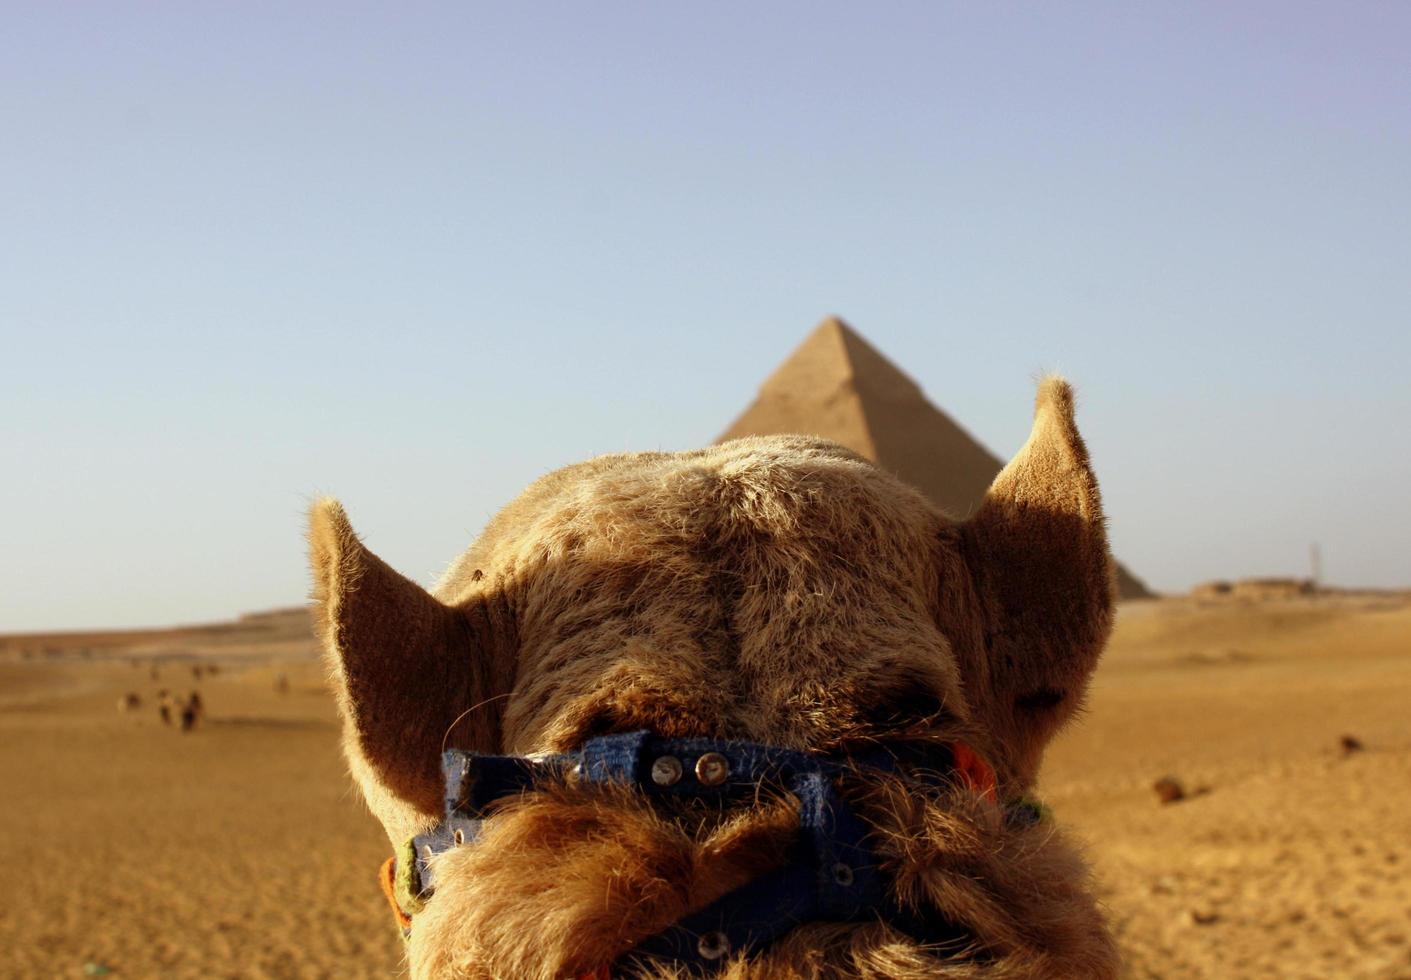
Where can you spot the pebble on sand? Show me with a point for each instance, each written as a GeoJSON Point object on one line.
{"type": "Point", "coordinates": [1169, 789]}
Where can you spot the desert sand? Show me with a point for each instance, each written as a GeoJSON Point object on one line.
{"type": "Point", "coordinates": [241, 849]}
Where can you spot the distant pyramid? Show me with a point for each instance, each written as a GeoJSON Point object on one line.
{"type": "Point", "coordinates": [838, 386]}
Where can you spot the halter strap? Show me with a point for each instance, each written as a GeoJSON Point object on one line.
{"type": "Point", "coordinates": [831, 874]}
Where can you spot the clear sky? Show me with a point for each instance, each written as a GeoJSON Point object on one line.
{"type": "Point", "coordinates": [415, 255]}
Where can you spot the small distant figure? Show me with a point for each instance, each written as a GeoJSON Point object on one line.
{"type": "Point", "coordinates": [130, 701]}
{"type": "Point", "coordinates": [281, 684]}
{"type": "Point", "coordinates": [1169, 790]}
{"type": "Point", "coordinates": [196, 671]}
{"type": "Point", "coordinates": [192, 711]}
{"type": "Point", "coordinates": [212, 670]}
{"type": "Point", "coordinates": [1350, 745]}
{"type": "Point", "coordinates": [165, 706]}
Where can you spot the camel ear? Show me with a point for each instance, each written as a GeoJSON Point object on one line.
{"type": "Point", "coordinates": [1037, 549]}
{"type": "Point", "coordinates": [403, 666]}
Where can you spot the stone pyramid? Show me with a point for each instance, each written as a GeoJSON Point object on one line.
{"type": "Point", "coordinates": [838, 386]}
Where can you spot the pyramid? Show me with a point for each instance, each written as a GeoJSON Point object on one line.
{"type": "Point", "coordinates": [838, 386]}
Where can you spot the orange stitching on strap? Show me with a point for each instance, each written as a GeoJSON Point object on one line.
{"type": "Point", "coordinates": [387, 878]}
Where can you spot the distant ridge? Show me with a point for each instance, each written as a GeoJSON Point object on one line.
{"type": "Point", "coordinates": [285, 633]}
{"type": "Point", "coordinates": [839, 386]}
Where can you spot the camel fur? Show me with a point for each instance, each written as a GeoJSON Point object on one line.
{"type": "Point", "coordinates": [779, 590]}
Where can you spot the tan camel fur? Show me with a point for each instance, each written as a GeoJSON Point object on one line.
{"type": "Point", "coordinates": [779, 590]}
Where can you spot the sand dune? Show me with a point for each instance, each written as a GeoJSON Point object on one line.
{"type": "Point", "coordinates": [237, 851]}
{"type": "Point", "coordinates": [1293, 863]}
{"type": "Point", "coordinates": [240, 850]}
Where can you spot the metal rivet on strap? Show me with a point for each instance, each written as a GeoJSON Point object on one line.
{"type": "Point", "coordinates": [712, 769]}
{"type": "Point", "coordinates": [713, 945]}
{"type": "Point", "coordinates": [666, 770]}
{"type": "Point", "coordinates": [843, 875]}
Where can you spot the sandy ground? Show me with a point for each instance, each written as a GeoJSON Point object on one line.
{"type": "Point", "coordinates": [240, 850]}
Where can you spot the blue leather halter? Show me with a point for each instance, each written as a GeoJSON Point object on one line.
{"type": "Point", "coordinates": [833, 874]}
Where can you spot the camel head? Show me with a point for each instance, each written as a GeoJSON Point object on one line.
{"type": "Point", "coordinates": [780, 591]}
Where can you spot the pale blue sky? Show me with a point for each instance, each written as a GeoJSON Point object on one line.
{"type": "Point", "coordinates": [415, 255]}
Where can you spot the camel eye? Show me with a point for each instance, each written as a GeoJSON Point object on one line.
{"type": "Point", "coordinates": [1041, 700]}
{"type": "Point", "coordinates": [905, 710]}
{"type": "Point", "coordinates": [602, 722]}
